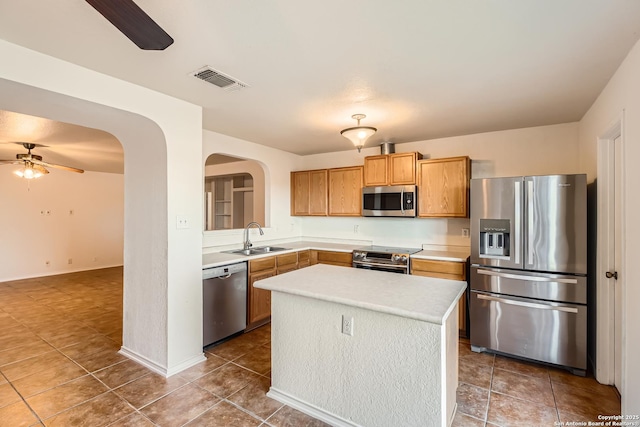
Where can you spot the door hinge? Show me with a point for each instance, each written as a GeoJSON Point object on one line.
{"type": "Point", "coordinates": [612, 274]}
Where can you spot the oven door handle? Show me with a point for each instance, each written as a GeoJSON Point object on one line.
{"type": "Point", "coordinates": [527, 304]}
{"type": "Point", "coordinates": [379, 264]}
{"type": "Point", "coordinates": [529, 278]}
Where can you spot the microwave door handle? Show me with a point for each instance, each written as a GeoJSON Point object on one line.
{"type": "Point", "coordinates": [402, 200]}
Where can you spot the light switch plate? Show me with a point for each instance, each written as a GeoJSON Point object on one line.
{"type": "Point", "coordinates": [182, 222]}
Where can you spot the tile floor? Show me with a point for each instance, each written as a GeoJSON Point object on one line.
{"type": "Point", "coordinates": [59, 366]}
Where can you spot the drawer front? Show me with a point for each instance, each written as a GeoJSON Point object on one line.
{"type": "Point", "coordinates": [262, 264]}
{"type": "Point", "coordinates": [286, 259]}
{"type": "Point", "coordinates": [303, 256]}
{"type": "Point", "coordinates": [441, 269]}
{"type": "Point", "coordinates": [335, 258]}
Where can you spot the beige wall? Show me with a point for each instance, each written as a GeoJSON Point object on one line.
{"type": "Point", "coordinates": [621, 98]}
{"type": "Point", "coordinates": [83, 221]}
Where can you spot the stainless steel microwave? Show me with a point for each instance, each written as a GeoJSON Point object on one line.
{"type": "Point", "coordinates": [394, 201]}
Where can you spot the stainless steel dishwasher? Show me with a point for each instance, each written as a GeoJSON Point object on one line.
{"type": "Point", "coordinates": [224, 298]}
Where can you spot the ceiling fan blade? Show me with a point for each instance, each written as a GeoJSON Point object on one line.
{"type": "Point", "coordinates": [51, 165]}
{"type": "Point", "coordinates": [134, 23]}
{"type": "Point", "coordinates": [11, 162]}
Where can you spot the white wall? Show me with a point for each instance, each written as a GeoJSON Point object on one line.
{"type": "Point", "coordinates": [622, 94]}
{"type": "Point", "coordinates": [36, 223]}
{"type": "Point", "coordinates": [530, 151]}
{"type": "Point", "coordinates": [162, 141]}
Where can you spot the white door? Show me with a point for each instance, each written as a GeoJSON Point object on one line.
{"type": "Point", "coordinates": [618, 282]}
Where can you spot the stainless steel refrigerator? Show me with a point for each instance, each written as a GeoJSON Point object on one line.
{"type": "Point", "coordinates": [529, 268]}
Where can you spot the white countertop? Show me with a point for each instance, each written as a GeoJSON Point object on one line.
{"type": "Point", "coordinates": [415, 297]}
{"type": "Point", "coordinates": [217, 259]}
{"type": "Point", "coordinates": [442, 255]}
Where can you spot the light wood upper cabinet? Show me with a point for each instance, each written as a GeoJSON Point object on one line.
{"type": "Point", "coordinates": [390, 169]}
{"type": "Point", "coordinates": [443, 187]}
{"type": "Point", "coordinates": [376, 170]}
{"type": "Point", "coordinates": [309, 192]}
{"type": "Point", "coordinates": [402, 168]}
{"type": "Point", "coordinates": [345, 191]}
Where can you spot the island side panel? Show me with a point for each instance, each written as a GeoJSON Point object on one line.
{"type": "Point", "coordinates": [449, 357]}
{"type": "Point", "coordinates": [388, 373]}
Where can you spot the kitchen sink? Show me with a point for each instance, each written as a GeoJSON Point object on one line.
{"type": "Point", "coordinates": [257, 250]}
{"type": "Point", "coordinates": [269, 249]}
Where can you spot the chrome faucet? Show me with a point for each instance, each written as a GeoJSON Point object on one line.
{"type": "Point", "coordinates": [247, 242]}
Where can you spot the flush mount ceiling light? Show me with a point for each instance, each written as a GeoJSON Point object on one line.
{"type": "Point", "coordinates": [359, 134]}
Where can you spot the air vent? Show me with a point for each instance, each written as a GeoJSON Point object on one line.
{"type": "Point", "coordinates": [219, 79]}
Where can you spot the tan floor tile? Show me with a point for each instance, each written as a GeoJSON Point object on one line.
{"type": "Point", "coordinates": [560, 376]}
{"type": "Point", "coordinates": [203, 368]}
{"type": "Point", "coordinates": [33, 365]}
{"type": "Point", "coordinates": [258, 360]}
{"type": "Point", "coordinates": [134, 420]}
{"type": "Point", "coordinates": [180, 406]}
{"type": "Point", "coordinates": [18, 340]}
{"type": "Point", "coordinates": [462, 420]}
{"type": "Point", "coordinates": [509, 411]}
{"type": "Point", "coordinates": [472, 400]}
{"type": "Point", "coordinates": [17, 415]}
{"type": "Point", "coordinates": [91, 345]}
{"type": "Point", "coordinates": [465, 352]}
{"type": "Point", "coordinates": [522, 367]}
{"type": "Point", "coordinates": [289, 417]}
{"type": "Point", "coordinates": [234, 348]}
{"type": "Point", "coordinates": [226, 380]}
{"type": "Point", "coordinates": [253, 397]}
{"type": "Point", "coordinates": [474, 372]}
{"type": "Point", "coordinates": [8, 395]}
{"type": "Point", "coordinates": [148, 388]}
{"type": "Point", "coordinates": [65, 396]}
{"type": "Point", "coordinates": [121, 373]}
{"type": "Point", "coordinates": [224, 415]}
{"type": "Point", "coordinates": [586, 403]}
{"type": "Point", "coordinates": [100, 360]}
{"type": "Point", "coordinates": [24, 352]}
{"type": "Point", "coordinates": [523, 387]}
{"type": "Point", "coordinates": [49, 378]}
{"type": "Point", "coordinates": [99, 411]}
{"type": "Point", "coordinates": [69, 337]}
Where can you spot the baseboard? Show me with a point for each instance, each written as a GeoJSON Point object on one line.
{"type": "Point", "coordinates": [309, 409]}
{"type": "Point", "coordinates": [159, 369]}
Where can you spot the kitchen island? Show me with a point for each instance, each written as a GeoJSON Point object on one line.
{"type": "Point", "coordinates": [354, 347]}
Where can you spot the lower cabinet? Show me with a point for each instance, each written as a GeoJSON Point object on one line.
{"type": "Point", "coordinates": [330, 257]}
{"type": "Point", "coordinates": [445, 270]}
{"type": "Point", "coordinates": [259, 300]}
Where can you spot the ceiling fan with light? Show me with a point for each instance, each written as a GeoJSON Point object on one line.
{"type": "Point", "coordinates": [134, 23]}
{"type": "Point", "coordinates": [32, 164]}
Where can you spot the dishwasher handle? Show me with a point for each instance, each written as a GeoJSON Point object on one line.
{"type": "Point", "coordinates": [223, 272]}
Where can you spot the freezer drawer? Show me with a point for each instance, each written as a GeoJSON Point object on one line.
{"type": "Point", "coordinates": [552, 287]}
{"type": "Point", "coordinates": [533, 329]}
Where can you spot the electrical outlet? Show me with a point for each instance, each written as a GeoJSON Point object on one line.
{"type": "Point", "coordinates": [70, 261]}
{"type": "Point", "coordinates": [347, 325]}
{"type": "Point", "coordinates": [465, 232]}
{"type": "Point", "coordinates": [355, 229]}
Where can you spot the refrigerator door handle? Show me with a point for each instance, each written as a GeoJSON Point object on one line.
{"type": "Point", "coordinates": [529, 222]}
{"type": "Point", "coordinates": [523, 277]}
{"type": "Point", "coordinates": [528, 304]}
{"type": "Point", "coordinates": [517, 221]}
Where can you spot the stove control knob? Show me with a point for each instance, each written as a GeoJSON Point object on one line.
{"type": "Point", "coordinates": [395, 258]}
{"type": "Point", "coordinates": [403, 258]}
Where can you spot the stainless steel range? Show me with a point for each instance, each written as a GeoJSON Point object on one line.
{"type": "Point", "coordinates": [383, 258]}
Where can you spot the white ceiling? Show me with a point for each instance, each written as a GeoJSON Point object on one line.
{"type": "Point", "coordinates": [419, 69]}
